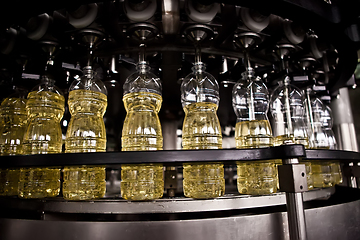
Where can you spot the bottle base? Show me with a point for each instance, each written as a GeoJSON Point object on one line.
{"type": "Point", "coordinates": [204, 180]}
{"type": "Point", "coordinates": [257, 178]}
{"type": "Point", "coordinates": [322, 175]}
{"type": "Point", "coordinates": [142, 182]}
{"type": "Point", "coordinates": [9, 182]}
{"type": "Point", "coordinates": [35, 195]}
{"type": "Point", "coordinates": [84, 182]}
{"type": "Point", "coordinates": [84, 190]}
{"type": "Point", "coordinates": [336, 173]}
{"type": "Point", "coordinates": [204, 190]}
{"type": "Point", "coordinates": [142, 191]}
{"type": "Point", "coordinates": [39, 182]}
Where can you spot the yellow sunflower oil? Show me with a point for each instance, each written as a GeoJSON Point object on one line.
{"type": "Point", "coordinates": [142, 132]}
{"type": "Point", "coordinates": [255, 177]}
{"type": "Point", "coordinates": [201, 130]}
{"type": "Point", "coordinates": [86, 133]}
{"type": "Point", "coordinates": [45, 108]}
{"type": "Point", "coordinates": [14, 118]}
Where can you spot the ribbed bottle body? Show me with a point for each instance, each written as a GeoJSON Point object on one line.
{"type": "Point", "coordinates": [255, 177]}
{"type": "Point", "coordinates": [291, 120]}
{"type": "Point", "coordinates": [327, 124]}
{"type": "Point", "coordinates": [142, 132]}
{"type": "Point", "coordinates": [13, 123]}
{"type": "Point", "coordinates": [86, 133]}
{"type": "Point", "coordinates": [201, 130]}
{"type": "Point", "coordinates": [322, 174]}
{"type": "Point", "coordinates": [321, 170]}
{"type": "Point", "coordinates": [42, 136]}
{"type": "Point", "coordinates": [250, 100]}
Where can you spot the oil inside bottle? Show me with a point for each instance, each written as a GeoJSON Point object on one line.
{"type": "Point", "coordinates": [327, 124]}
{"type": "Point", "coordinates": [255, 177]}
{"type": "Point", "coordinates": [308, 165]}
{"type": "Point", "coordinates": [13, 123]}
{"type": "Point", "coordinates": [322, 175]}
{"type": "Point", "coordinates": [42, 136]}
{"type": "Point", "coordinates": [86, 133]}
{"type": "Point", "coordinates": [201, 130]}
{"type": "Point", "coordinates": [336, 172]}
{"type": "Point", "coordinates": [142, 132]}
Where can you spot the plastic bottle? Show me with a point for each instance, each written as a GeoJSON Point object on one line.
{"type": "Point", "coordinates": [13, 123]}
{"type": "Point", "coordinates": [201, 130]}
{"type": "Point", "coordinates": [250, 103]}
{"type": "Point", "coordinates": [142, 132]}
{"type": "Point", "coordinates": [327, 123]}
{"type": "Point", "coordinates": [86, 133]}
{"type": "Point", "coordinates": [320, 169]}
{"type": "Point", "coordinates": [287, 107]}
{"type": "Point", "coordinates": [45, 108]}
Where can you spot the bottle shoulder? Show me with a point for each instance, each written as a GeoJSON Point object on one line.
{"type": "Point", "coordinates": [82, 94]}
{"type": "Point", "coordinates": [142, 82]}
{"type": "Point", "coordinates": [13, 106]}
{"type": "Point", "coordinates": [142, 100]}
{"type": "Point", "coordinates": [200, 106]}
{"type": "Point", "coordinates": [89, 83]}
{"type": "Point", "coordinates": [45, 96]}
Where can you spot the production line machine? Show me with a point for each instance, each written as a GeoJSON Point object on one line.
{"type": "Point", "coordinates": [311, 45]}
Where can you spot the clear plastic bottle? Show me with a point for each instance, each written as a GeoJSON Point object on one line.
{"type": "Point", "coordinates": [142, 132]}
{"type": "Point", "coordinates": [253, 130]}
{"type": "Point", "coordinates": [320, 169]}
{"type": "Point", "coordinates": [327, 123]}
{"type": "Point", "coordinates": [86, 133]}
{"type": "Point", "coordinates": [288, 112]}
{"type": "Point", "coordinates": [201, 130]}
{"type": "Point", "coordinates": [45, 108]}
{"type": "Point", "coordinates": [13, 123]}
{"type": "Point", "coordinates": [309, 142]}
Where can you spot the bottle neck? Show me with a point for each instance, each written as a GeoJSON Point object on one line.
{"type": "Point", "coordinates": [88, 78]}
{"type": "Point", "coordinates": [88, 72]}
{"type": "Point", "coordinates": [48, 81]}
{"type": "Point", "coordinates": [249, 75]}
{"type": "Point", "coordinates": [143, 67]}
{"type": "Point", "coordinates": [198, 68]}
{"type": "Point", "coordinates": [287, 81]}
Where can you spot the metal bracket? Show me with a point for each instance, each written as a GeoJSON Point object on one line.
{"type": "Point", "coordinates": [170, 181]}
{"type": "Point", "coordinates": [292, 178]}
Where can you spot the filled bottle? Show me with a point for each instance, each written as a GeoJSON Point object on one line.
{"type": "Point", "coordinates": [327, 123]}
{"type": "Point", "coordinates": [45, 108]}
{"type": "Point", "coordinates": [253, 130]}
{"type": "Point", "coordinates": [13, 123]}
{"type": "Point", "coordinates": [142, 132]}
{"type": "Point", "coordinates": [201, 130]}
{"type": "Point", "coordinates": [86, 133]}
{"type": "Point", "coordinates": [320, 169]}
{"type": "Point", "coordinates": [287, 107]}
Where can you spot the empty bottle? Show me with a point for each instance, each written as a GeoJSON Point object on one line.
{"type": "Point", "coordinates": [13, 123]}
{"type": "Point", "coordinates": [201, 130]}
{"type": "Point", "coordinates": [142, 132]}
{"type": "Point", "coordinates": [86, 133]}
{"type": "Point", "coordinates": [250, 103]}
{"type": "Point", "coordinates": [45, 108]}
